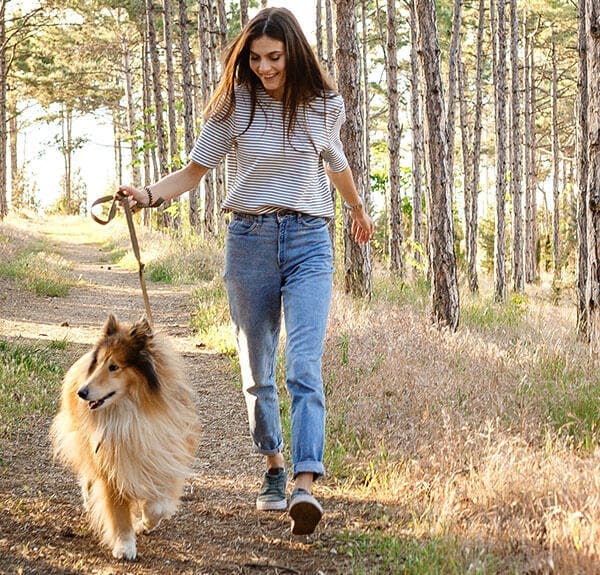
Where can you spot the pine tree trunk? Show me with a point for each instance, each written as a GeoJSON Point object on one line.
{"type": "Point", "coordinates": [531, 231]}
{"type": "Point", "coordinates": [393, 141]}
{"type": "Point", "coordinates": [417, 143]}
{"type": "Point", "coordinates": [516, 180]}
{"type": "Point", "coordinates": [16, 185]}
{"type": "Point", "coordinates": [3, 90]}
{"type": "Point", "coordinates": [319, 31]}
{"type": "Point", "coordinates": [593, 183]}
{"type": "Point", "coordinates": [189, 122]}
{"type": "Point", "coordinates": [222, 25]}
{"type": "Point", "coordinates": [445, 298]}
{"type": "Point", "coordinates": [582, 175]}
{"type": "Point", "coordinates": [329, 35]}
{"type": "Point", "coordinates": [498, 16]}
{"type": "Point", "coordinates": [131, 116]}
{"type": "Point", "coordinates": [204, 42]}
{"type": "Point", "coordinates": [357, 261]}
{"type": "Point", "coordinates": [243, 12]}
{"type": "Point", "coordinates": [556, 165]}
{"type": "Point", "coordinates": [161, 137]}
{"type": "Point", "coordinates": [475, 175]}
{"type": "Point", "coordinates": [452, 76]}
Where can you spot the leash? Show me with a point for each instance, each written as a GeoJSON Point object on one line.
{"type": "Point", "coordinates": [118, 198]}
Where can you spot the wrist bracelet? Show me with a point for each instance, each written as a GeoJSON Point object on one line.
{"type": "Point", "coordinates": [149, 193]}
{"type": "Point", "coordinates": [353, 207]}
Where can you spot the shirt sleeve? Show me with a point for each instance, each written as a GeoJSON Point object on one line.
{"type": "Point", "coordinates": [333, 154]}
{"type": "Point", "coordinates": [214, 142]}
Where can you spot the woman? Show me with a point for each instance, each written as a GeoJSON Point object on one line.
{"type": "Point", "coordinates": [276, 116]}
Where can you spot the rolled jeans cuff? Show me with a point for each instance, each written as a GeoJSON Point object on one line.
{"type": "Point", "coordinates": [261, 451]}
{"type": "Point", "coordinates": [314, 467]}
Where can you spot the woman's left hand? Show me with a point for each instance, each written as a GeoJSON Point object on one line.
{"type": "Point", "coordinates": [362, 226]}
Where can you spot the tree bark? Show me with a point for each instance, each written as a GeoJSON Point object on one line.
{"type": "Point", "coordinates": [498, 17]}
{"type": "Point", "coordinates": [582, 175]}
{"type": "Point", "coordinates": [16, 185]}
{"type": "Point", "coordinates": [417, 143]}
{"type": "Point", "coordinates": [131, 116]}
{"type": "Point", "coordinates": [3, 90]}
{"type": "Point", "coordinates": [452, 76]}
{"type": "Point", "coordinates": [244, 12]}
{"type": "Point", "coordinates": [531, 231]}
{"type": "Point", "coordinates": [445, 297]}
{"type": "Point", "coordinates": [319, 32]}
{"type": "Point", "coordinates": [357, 259]}
{"type": "Point", "coordinates": [592, 26]}
{"type": "Point", "coordinates": [393, 142]}
{"type": "Point", "coordinates": [516, 180]}
{"type": "Point", "coordinates": [555, 164]}
{"type": "Point", "coordinates": [189, 122]}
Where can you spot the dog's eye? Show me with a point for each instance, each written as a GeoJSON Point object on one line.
{"type": "Point", "coordinates": [113, 367]}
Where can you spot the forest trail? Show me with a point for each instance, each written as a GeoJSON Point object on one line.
{"type": "Point", "coordinates": [216, 530]}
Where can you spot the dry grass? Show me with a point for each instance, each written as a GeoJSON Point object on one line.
{"type": "Point", "coordinates": [462, 433]}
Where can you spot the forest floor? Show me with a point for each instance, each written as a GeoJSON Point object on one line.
{"type": "Point", "coordinates": [216, 529]}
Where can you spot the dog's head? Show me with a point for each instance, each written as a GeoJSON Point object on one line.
{"type": "Point", "coordinates": [121, 365]}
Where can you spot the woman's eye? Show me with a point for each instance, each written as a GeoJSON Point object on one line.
{"type": "Point", "coordinates": [113, 367]}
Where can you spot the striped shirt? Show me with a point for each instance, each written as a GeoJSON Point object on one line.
{"type": "Point", "coordinates": [267, 170]}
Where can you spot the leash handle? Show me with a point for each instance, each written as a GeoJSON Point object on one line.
{"type": "Point", "coordinates": [121, 197]}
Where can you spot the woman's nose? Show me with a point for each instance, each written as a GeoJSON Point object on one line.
{"type": "Point", "coordinates": [263, 66]}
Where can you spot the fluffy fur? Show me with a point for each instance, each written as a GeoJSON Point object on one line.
{"type": "Point", "coordinates": [127, 426]}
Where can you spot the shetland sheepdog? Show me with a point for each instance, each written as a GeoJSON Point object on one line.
{"type": "Point", "coordinates": [127, 426]}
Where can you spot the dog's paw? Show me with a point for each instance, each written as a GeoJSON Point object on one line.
{"type": "Point", "coordinates": [147, 525]}
{"type": "Point", "coordinates": [125, 549]}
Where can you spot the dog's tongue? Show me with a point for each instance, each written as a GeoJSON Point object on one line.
{"type": "Point", "coordinates": [95, 404]}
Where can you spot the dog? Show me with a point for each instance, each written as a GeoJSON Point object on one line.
{"type": "Point", "coordinates": [127, 426]}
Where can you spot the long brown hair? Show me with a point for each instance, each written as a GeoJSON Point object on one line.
{"type": "Point", "coordinates": [305, 80]}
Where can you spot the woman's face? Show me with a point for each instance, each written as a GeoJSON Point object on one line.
{"type": "Point", "coordinates": [267, 61]}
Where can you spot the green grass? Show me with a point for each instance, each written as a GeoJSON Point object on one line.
{"type": "Point", "coordinates": [40, 272]}
{"type": "Point", "coordinates": [377, 553]}
{"type": "Point", "coordinates": [30, 378]}
{"type": "Point", "coordinates": [569, 396]}
{"type": "Point", "coordinates": [210, 319]}
{"type": "Point", "coordinates": [485, 314]}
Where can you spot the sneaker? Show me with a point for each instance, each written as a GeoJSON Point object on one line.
{"type": "Point", "coordinates": [272, 493]}
{"type": "Point", "coordinates": [305, 511]}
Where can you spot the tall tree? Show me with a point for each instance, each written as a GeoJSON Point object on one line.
{"type": "Point", "coordinates": [189, 122]}
{"type": "Point", "coordinates": [530, 113]}
{"type": "Point", "coordinates": [444, 292]}
{"type": "Point", "coordinates": [592, 30]}
{"type": "Point", "coordinates": [452, 79]}
{"type": "Point", "coordinates": [555, 162]}
{"type": "Point", "coordinates": [393, 141]}
{"type": "Point", "coordinates": [498, 18]}
{"type": "Point", "coordinates": [417, 140]}
{"type": "Point", "coordinates": [3, 102]}
{"type": "Point", "coordinates": [582, 174]}
{"type": "Point", "coordinates": [243, 12]}
{"type": "Point", "coordinates": [357, 259]}
{"type": "Point", "coordinates": [516, 179]}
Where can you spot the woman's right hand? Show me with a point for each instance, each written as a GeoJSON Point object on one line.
{"type": "Point", "coordinates": [137, 198]}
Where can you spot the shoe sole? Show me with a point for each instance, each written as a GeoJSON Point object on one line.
{"type": "Point", "coordinates": [271, 505]}
{"type": "Point", "coordinates": [306, 513]}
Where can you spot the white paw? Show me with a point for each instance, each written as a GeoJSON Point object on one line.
{"type": "Point", "coordinates": [145, 526]}
{"type": "Point", "coordinates": [125, 549]}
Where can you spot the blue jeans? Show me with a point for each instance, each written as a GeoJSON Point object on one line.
{"type": "Point", "coordinates": [274, 262]}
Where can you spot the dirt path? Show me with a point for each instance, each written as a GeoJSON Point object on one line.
{"type": "Point", "coordinates": [217, 530]}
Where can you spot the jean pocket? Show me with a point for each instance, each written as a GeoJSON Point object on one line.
{"type": "Point", "coordinates": [313, 222]}
{"type": "Point", "coordinates": [241, 225]}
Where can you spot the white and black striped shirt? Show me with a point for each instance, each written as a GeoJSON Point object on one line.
{"type": "Point", "coordinates": [266, 169]}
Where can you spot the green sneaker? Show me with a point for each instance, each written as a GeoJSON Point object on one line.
{"type": "Point", "coordinates": [272, 493]}
{"type": "Point", "coordinates": [305, 511]}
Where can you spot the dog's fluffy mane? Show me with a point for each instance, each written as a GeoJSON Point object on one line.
{"type": "Point", "coordinates": [140, 444]}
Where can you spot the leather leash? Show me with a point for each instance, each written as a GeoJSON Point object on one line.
{"type": "Point", "coordinates": [118, 198]}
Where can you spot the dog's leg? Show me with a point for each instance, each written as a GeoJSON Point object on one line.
{"type": "Point", "coordinates": [153, 512]}
{"type": "Point", "coordinates": [117, 526]}
{"type": "Point", "coordinates": [86, 486]}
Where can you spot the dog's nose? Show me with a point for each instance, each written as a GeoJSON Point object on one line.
{"type": "Point", "coordinates": [83, 393]}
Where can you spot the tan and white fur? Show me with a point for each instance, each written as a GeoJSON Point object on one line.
{"type": "Point", "coordinates": [128, 427]}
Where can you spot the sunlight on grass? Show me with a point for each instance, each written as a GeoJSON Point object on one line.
{"type": "Point", "coordinates": [29, 381]}
{"type": "Point", "coordinates": [486, 314]}
{"type": "Point", "coordinates": [380, 553]}
{"type": "Point", "coordinates": [40, 272]}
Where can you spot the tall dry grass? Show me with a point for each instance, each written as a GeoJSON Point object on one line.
{"type": "Point", "coordinates": [479, 435]}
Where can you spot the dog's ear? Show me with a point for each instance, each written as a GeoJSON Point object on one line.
{"type": "Point", "coordinates": [140, 333]}
{"type": "Point", "coordinates": [111, 326]}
